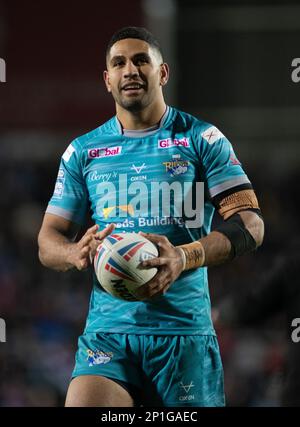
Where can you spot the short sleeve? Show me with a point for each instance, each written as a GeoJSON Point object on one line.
{"type": "Point", "coordinates": [222, 169]}
{"type": "Point", "coordinates": [70, 197]}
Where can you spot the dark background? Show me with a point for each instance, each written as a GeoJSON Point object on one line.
{"type": "Point", "coordinates": [231, 66]}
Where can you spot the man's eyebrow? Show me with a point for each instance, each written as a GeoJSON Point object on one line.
{"type": "Point", "coordinates": [136, 55]}
{"type": "Point", "coordinates": [116, 57]}
{"type": "Point", "coordinates": [141, 54]}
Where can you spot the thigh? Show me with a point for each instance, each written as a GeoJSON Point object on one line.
{"type": "Point", "coordinates": [93, 390]}
{"type": "Point", "coordinates": [185, 370]}
{"type": "Point", "coordinates": [108, 356]}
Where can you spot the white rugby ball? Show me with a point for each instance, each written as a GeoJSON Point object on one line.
{"type": "Point", "coordinates": [116, 262]}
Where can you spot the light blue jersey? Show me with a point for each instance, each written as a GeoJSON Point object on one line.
{"type": "Point", "coordinates": [160, 180]}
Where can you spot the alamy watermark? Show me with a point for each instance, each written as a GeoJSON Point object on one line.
{"type": "Point", "coordinates": [151, 204]}
{"type": "Point", "coordinates": [2, 330]}
{"type": "Point", "coordinates": [296, 71]}
{"type": "Point", "coordinates": [296, 332]}
{"type": "Point", "coordinates": [2, 71]}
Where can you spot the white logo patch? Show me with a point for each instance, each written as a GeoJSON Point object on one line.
{"type": "Point", "coordinates": [138, 169]}
{"type": "Point", "coordinates": [68, 153]}
{"type": "Point", "coordinates": [212, 134]}
{"type": "Point", "coordinates": [187, 387]}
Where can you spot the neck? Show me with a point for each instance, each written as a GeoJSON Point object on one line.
{"type": "Point", "coordinates": [146, 118]}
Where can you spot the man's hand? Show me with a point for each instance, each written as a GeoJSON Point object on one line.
{"type": "Point", "coordinates": [169, 264]}
{"type": "Point", "coordinates": [83, 252]}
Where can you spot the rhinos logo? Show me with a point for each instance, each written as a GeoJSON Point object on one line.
{"type": "Point", "coordinates": [176, 167]}
{"type": "Point", "coordinates": [98, 357]}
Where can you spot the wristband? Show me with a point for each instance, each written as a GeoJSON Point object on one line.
{"type": "Point", "coordinates": [194, 255]}
{"type": "Point", "coordinates": [183, 257]}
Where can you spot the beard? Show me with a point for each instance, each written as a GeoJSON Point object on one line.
{"type": "Point", "coordinates": [132, 104]}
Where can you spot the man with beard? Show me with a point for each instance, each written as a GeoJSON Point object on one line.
{"type": "Point", "coordinates": [162, 349]}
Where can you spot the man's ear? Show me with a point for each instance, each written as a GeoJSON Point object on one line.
{"type": "Point", "coordinates": [106, 80]}
{"type": "Point", "coordinates": [164, 74]}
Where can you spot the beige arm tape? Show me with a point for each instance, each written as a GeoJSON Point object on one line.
{"type": "Point", "coordinates": [235, 202]}
{"type": "Point", "coordinates": [193, 255]}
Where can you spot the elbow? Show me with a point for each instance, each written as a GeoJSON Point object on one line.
{"type": "Point", "coordinates": [41, 251]}
{"type": "Point", "coordinates": [42, 258]}
{"type": "Point", "coordinates": [254, 225]}
{"type": "Point", "coordinates": [259, 231]}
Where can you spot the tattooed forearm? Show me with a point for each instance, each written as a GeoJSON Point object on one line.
{"type": "Point", "coordinates": [211, 250]}
{"type": "Point", "coordinates": [194, 255]}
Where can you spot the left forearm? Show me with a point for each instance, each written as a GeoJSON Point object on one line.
{"type": "Point", "coordinates": [219, 247]}
{"type": "Point", "coordinates": [211, 250]}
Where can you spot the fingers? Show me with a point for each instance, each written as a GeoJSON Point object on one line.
{"type": "Point", "coordinates": [83, 258]}
{"type": "Point", "coordinates": [88, 244]}
{"type": "Point", "coordinates": [84, 248]}
{"type": "Point", "coordinates": [93, 234]}
{"type": "Point", "coordinates": [153, 262]}
{"type": "Point", "coordinates": [92, 230]}
{"type": "Point", "coordinates": [155, 287]}
{"type": "Point", "coordinates": [106, 232]}
{"type": "Point", "coordinates": [88, 236]}
{"type": "Point", "coordinates": [155, 238]}
{"type": "Point", "coordinates": [169, 265]}
{"type": "Point", "coordinates": [85, 240]}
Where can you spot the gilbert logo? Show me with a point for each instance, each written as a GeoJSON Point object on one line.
{"type": "Point", "coordinates": [166, 143]}
{"type": "Point", "coordinates": [104, 152]}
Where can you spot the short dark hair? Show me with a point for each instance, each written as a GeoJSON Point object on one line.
{"type": "Point", "coordinates": [134, 33]}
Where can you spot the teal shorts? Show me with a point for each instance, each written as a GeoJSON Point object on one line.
{"type": "Point", "coordinates": [183, 370]}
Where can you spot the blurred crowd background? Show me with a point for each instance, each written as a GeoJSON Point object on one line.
{"type": "Point", "coordinates": [230, 65]}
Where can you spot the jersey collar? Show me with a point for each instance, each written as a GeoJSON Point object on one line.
{"type": "Point", "coordinates": [142, 132]}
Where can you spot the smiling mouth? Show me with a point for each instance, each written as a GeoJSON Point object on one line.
{"type": "Point", "coordinates": [133, 87]}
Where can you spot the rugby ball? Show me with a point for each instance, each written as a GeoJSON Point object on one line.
{"type": "Point", "coordinates": [116, 264]}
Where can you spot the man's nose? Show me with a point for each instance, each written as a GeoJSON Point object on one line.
{"type": "Point", "coordinates": [130, 70]}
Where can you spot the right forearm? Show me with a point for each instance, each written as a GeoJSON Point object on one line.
{"type": "Point", "coordinates": [55, 251]}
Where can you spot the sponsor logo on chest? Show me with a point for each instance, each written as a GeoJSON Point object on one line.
{"type": "Point", "coordinates": [95, 153]}
{"type": "Point", "coordinates": [169, 142]}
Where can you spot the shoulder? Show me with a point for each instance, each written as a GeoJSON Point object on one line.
{"type": "Point", "coordinates": [95, 135]}
{"type": "Point", "coordinates": [191, 122]}
{"type": "Point", "coordinates": [201, 131]}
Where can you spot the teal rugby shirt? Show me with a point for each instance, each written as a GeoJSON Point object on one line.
{"type": "Point", "coordinates": [160, 180]}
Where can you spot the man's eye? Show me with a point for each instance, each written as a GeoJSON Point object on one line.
{"type": "Point", "coordinates": [118, 64]}
{"type": "Point", "coordinates": [141, 61]}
